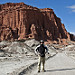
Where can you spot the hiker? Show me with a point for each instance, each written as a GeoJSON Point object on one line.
{"type": "Point", "coordinates": [41, 50]}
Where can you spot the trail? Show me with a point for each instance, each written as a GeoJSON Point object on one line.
{"type": "Point", "coordinates": [58, 65]}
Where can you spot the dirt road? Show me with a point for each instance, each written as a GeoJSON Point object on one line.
{"type": "Point", "coordinates": [58, 65]}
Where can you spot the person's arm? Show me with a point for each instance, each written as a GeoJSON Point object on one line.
{"type": "Point", "coordinates": [46, 50]}
{"type": "Point", "coordinates": [36, 50]}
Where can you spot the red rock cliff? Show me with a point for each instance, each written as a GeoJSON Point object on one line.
{"type": "Point", "coordinates": [21, 21]}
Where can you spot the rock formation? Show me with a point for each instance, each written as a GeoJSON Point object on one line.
{"type": "Point", "coordinates": [21, 21]}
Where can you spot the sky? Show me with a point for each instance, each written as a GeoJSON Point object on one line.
{"type": "Point", "coordinates": [64, 9]}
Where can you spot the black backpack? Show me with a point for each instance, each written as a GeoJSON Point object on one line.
{"type": "Point", "coordinates": [41, 50]}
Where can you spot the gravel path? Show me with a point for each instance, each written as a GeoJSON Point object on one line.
{"type": "Point", "coordinates": [13, 67]}
{"type": "Point", "coordinates": [58, 65]}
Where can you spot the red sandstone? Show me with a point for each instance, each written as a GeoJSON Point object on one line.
{"type": "Point", "coordinates": [21, 21]}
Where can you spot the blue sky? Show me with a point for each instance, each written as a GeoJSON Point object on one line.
{"type": "Point", "coordinates": [64, 9]}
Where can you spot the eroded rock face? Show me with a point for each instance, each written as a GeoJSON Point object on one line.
{"type": "Point", "coordinates": [6, 33]}
{"type": "Point", "coordinates": [21, 21]}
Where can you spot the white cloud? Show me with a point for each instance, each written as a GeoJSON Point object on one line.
{"type": "Point", "coordinates": [73, 10]}
{"type": "Point", "coordinates": [72, 7]}
{"type": "Point", "coordinates": [72, 33]}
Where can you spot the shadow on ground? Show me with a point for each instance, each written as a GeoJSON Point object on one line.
{"type": "Point", "coordinates": [66, 69]}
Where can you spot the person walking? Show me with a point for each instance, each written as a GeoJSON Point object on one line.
{"type": "Point", "coordinates": [41, 50]}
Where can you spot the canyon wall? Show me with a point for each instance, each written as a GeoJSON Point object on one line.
{"type": "Point", "coordinates": [20, 21]}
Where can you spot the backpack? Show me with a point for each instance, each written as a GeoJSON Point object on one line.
{"type": "Point", "coordinates": [41, 50]}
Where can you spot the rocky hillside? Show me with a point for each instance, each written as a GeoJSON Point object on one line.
{"type": "Point", "coordinates": [21, 21]}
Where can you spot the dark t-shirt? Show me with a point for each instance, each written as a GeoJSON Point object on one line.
{"type": "Point", "coordinates": [41, 50]}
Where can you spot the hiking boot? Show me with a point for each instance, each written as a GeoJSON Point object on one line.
{"type": "Point", "coordinates": [43, 70]}
{"type": "Point", "coordinates": [38, 71]}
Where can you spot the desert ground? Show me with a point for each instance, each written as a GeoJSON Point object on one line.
{"type": "Point", "coordinates": [18, 58]}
